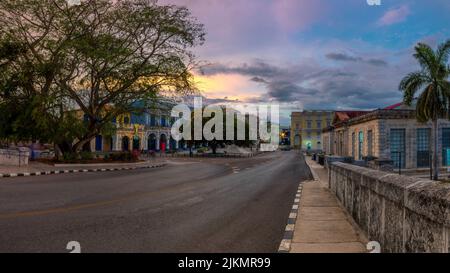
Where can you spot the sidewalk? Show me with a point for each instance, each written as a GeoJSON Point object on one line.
{"type": "Point", "coordinates": [322, 225]}
{"type": "Point", "coordinates": [37, 168]}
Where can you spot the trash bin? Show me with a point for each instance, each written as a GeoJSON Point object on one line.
{"type": "Point", "coordinates": [322, 160]}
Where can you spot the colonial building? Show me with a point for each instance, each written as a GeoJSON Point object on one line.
{"type": "Point", "coordinates": [390, 133]}
{"type": "Point", "coordinates": [337, 143]}
{"type": "Point", "coordinates": [306, 129]}
{"type": "Point", "coordinates": [147, 131]}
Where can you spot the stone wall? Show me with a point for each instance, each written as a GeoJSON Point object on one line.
{"type": "Point", "coordinates": [403, 214]}
{"type": "Point", "coordinates": [14, 157]}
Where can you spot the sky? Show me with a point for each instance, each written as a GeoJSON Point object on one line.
{"type": "Point", "coordinates": [312, 54]}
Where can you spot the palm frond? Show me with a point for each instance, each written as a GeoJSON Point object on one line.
{"type": "Point", "coordinates": [426, 57]}
{"type": "Point", "coordinates": [443, 52]}
{"type": "Point", "coordinates": [411, 84]}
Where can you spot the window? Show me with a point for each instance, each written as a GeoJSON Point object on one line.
{"type": "Point", "coordinates": [353, 145]}
{"type": "Point", "coordinates": [319, 124]}
{"type": "Point", "coordinates": [423, 147]}
{"type": "Point", "coordinates": [126, 120]}
{"type": "Point", "coordinates": [152, 120]}
{"type": "Point", "coordinates": [398, 147]}
{"type": "Point", "coordinates": [328, 123]}
{"type": "Point", "coordinates": [360, 145]}
{"type": "Point", "coordinates": [309, 124]}
{"type": "Point", "coordinates": [370, 143]}
{"type": "Point", "coordinates": [446, 146]}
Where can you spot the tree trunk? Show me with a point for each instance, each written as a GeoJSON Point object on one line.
{"type": "Point", "coordinates": [435, 150]}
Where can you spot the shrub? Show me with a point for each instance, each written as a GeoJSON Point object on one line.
{"type": "Point", "coordinates": [86, 156]}
{"type": "Point", "coordinates": [202, 150]}
{"type": "Point", "coordinates": [69, 157]}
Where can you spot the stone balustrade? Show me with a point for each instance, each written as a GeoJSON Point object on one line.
{"type": "Point", "coordinates": [403, 214]}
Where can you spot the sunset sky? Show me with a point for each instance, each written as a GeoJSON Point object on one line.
{"type": "Point", "coordinates": [316, 54]}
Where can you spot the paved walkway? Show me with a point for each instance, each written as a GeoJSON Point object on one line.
{"type": "Point", "coordinates": [322, 225]}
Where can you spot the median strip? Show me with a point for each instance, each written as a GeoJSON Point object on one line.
{"type": "Point", "coordinates": [9, 175]}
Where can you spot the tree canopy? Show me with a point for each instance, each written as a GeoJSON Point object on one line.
{"type": "Point", "coordinates": [79, 66]}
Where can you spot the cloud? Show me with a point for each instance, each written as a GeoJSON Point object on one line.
{"type": "Point", "coordinates": [362, 81]}
{"type": "Point", "coordinates": [295, 15]}
{"type": "Point", "coordinates": [394, 16]}
{"type": "Point", "coordinates": [342, 57]}
{"type": "Point", "coordinates": [258, 79]}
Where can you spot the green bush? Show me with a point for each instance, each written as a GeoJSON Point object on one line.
{"type": "Point", "coordinates": [86, 156]}
{"type": "Point", "coordinates": [69, 157]}
{"type": "Point", "coordinates": [202, 150]}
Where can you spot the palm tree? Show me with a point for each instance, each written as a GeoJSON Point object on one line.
{"type": "Point", "coordinates": [432, 82]}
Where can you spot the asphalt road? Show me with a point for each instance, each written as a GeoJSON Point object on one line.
{"type": "Point", "coordinates": [210, 205]}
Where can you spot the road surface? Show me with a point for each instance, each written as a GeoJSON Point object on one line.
{"type": "Point", "coordinates": [192, 205]}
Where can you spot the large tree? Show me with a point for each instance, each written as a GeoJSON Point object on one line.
{"type": "Point", "coordinates": [432, 82]}
{"type": "Point", "coordinates": [94, 60]}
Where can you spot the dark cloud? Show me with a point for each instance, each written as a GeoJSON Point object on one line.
{"type": "Point", "coordinates": [342, 57]}
{"type": "Point", "coordinates": [315, 85]}
{"type": "Point", "coordinates": [377, 62]}
{"type": "Point", "coordinates": [260, 69]}
{"type": "Point", "coordinates": [258, 79]}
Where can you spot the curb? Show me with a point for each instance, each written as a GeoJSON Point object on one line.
{"type": "Point", "coordinates": [8, 175]}
{"type": "Point", "coordinates": [314, 174]}
{"type": "Point", "coordinates": [285, 245]}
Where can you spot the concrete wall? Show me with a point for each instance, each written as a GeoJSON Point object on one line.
{"type": "Point", "coordinates": [403, 214]}
{"type": "Point", "coordinates": [14, 157]}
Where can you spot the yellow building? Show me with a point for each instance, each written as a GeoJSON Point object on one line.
{"type": "Point", "coordinates": [306, 129]}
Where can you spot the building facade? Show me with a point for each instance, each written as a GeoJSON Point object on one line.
{"type": "Point", "coordinates": [147, 131]}
{"type": "Point", "coordinates": [306, 129]}
{"type": "Point", "coordinates": [392, 133]}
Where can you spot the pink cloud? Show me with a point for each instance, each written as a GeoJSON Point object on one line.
{"type": "Point", "coordinates": [295, 15]}
{"type": "Point", "coordinates": [244, 27]}
{"type": "Point", "coordinates": [394, 16]}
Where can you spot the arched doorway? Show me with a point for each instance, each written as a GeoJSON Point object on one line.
{"type": "Point", "coordinates": [151, 142]}
{"type": "Point", "coordinates": [136, 143]}
{"type": "Point", "coordinates": [163, 143]}
{"type": "Point", "coordinates": [125, 144]}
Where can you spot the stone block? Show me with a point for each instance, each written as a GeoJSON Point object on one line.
{"type": "Point", "coordinates": [423, 235]}
{"type": "Point", "coordinates": [393, 228]}
{"type": "Point", "coordinates": [376, 219]}
{"type": "Point", "coordinates": [430, 199]}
